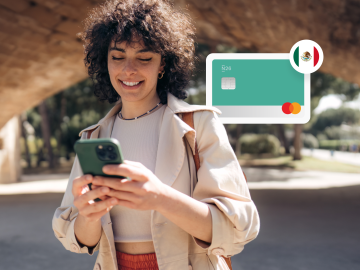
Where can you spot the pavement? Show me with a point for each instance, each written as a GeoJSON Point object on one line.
{"type": "Point", "coordinates": [258, 178]}
{"type": "Point", "coordinates": [309, 220]}
{"type": "Point", "coordinates": [313, 229]}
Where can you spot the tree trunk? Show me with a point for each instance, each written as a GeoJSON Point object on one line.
{"type": "Point", "coordinates": [237, 142]}
{"type": "Point", "coordinates": [62, 115]}
{"type": "Point", "coordinates": [23, 133]}
{"type": "Point", "coordinates": [283, 140]}
{"type": "Point", "coordinates": [45, 128]}
{"type": "Point", "coordinates": [297, 141]}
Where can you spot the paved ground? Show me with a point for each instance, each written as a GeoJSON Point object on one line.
{"type": "Point", "coordinates": [300, 229]}
{"type": "Point", "coordinates": [258, 178]}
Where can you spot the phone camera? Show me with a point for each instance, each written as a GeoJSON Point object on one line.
{"type": "Point", "coordinates": [102, 152]}
{"type": "Point", "coordinates": [106, 152]}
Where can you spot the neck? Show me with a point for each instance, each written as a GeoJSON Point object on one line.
{"type": "Point", "coordinates": [132, 109]}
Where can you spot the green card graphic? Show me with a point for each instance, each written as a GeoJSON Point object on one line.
{"type": "Point", "coordinates": [255, 82]}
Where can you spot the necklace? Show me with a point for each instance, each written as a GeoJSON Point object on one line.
{"type": "Point", "coordinates": [121, 117]}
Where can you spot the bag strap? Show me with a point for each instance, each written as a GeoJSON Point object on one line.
{"type": "Point", "coordinates": [89, 133]}
{"type": "Point", "coordinates": [188, 118]}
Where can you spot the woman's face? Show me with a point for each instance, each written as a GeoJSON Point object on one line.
{"type": "Point", "coordinates": [134, 70]}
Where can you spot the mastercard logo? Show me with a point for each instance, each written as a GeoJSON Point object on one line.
{"type": "Point", "coordinates": [293, 108]}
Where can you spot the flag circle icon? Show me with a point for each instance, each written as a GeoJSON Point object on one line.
{"type": "Point", "coordinates": [289, 108]}
{"type": "Point", "coordinates": [306, 56]}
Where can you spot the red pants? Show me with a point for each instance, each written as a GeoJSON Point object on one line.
{"type": "Point", "coordinates": [139, 261]}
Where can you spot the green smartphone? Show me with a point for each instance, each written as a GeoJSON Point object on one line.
{"type": "Point", "coordinates": [94, 154]}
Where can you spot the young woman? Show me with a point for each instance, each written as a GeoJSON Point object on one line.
{"type": "Point", "coordinates": [140, 55]}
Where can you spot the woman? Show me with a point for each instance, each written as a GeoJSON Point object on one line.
{"type": "Point", "coordinates": [140, 55]}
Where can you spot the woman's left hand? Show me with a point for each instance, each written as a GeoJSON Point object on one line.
{"type": "Point", "coordinates": [144, 192]}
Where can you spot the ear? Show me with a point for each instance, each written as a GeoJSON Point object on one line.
{"type": "Point", "coordinates": [162, 64]}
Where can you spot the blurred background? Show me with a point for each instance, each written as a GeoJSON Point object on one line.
{"type": "Point", "coordinates": [304, 179]}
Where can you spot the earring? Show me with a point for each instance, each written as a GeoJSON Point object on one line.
{"type": "Point", "coordinates": [162, 74]}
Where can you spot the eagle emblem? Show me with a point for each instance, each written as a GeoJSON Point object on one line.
{"type": "Point", "coordinates": [306, 56]}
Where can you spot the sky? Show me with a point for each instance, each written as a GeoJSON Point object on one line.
{"type": "Point", "coordinates": [335, 101]}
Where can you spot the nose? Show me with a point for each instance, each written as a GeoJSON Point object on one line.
{"type": "Point", "coordinates": [129, 68]}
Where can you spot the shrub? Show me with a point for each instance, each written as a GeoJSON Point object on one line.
{"type": "Point", "coordinates": [259, 144]}
{"type": "Point", "coordinates": [309, 140]}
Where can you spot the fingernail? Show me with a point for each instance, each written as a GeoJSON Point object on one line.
{"type": "Point", "coordinates": [105, 189]}
{"type": "Point", "coordinates": [113, 201]}
{"type": "Point", "coordinates": [88, 177]}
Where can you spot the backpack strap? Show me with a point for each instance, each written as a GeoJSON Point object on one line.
{"type": "Point", "coordinates": [188, 118]}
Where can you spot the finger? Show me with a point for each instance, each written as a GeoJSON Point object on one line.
{"type": "Point", "coordinates": [84, 199]}
{"type": "Point", "coordinates": [123, 195]}
{"type": "Point", "coordinates": [105, 197]}
{"type": "Point", "coordinates": [98, 206]}
{"type": "Point", "coordinates": [79, 182]}
{"type": "Point", "coordinates": [98, 215]}
{"type": "Point", "coordinates": [127, 204]}
{"type": "Point", "coordinates": [84, 189]}
{"type": "Point", "coordinates": [134, 163]}
{"type": "Point", "coordinates": [117, 184]}
{"type": "Point", "coordinates": [127, 170]}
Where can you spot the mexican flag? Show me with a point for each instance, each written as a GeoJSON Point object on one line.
{"type": "Point", "coordinates": [306, 56]}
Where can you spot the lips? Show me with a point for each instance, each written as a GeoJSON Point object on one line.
{"type": "Point", "coordinates": [131, 87]}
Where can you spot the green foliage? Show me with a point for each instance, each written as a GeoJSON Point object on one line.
{"type": "Point", "coordinates": [340, 145]}
{"type": "Point", "coordinates": [259, 144]}
{"type": "Point", "coordinates": [335, 117]}
{"type": "Point", "coordinates": [79, 108]}
{"type": "Point", "coordinates": [309, 140]}
{"type": "Point", "coordinates": [343, 132]}
{"type": "Point", "coordinates": [323, 84]}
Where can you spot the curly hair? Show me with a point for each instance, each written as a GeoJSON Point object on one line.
{"type": "Point", "coordinates": [161, 27]}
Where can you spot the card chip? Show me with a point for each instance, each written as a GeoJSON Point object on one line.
{"type": "Point", "coordinates": [228, 83]}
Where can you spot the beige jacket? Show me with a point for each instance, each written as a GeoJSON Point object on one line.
{"type": "Point", "coordinates": [221, 185]}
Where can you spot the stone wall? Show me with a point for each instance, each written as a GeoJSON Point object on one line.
{"type": "Point", "coordinates": [40, 54]}
{"type": "Point", "coordinates": [10, 168]}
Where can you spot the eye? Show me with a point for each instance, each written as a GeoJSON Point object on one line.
{"type": "Point", "coordinates": [145, 59]}
{"type": "Point", "coordinates": [114, 58]}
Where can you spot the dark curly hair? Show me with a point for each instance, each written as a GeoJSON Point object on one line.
{"type": "Point", "coordinates": [161, 27]}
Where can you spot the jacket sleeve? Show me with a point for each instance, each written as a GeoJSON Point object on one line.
{"type": "Point", "coordinates": [221, 184]}
{"type": "Point", "coordinates": [65, 216]}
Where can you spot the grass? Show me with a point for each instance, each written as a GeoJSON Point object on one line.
{"type": "Point", "coordinates": [306, 164]}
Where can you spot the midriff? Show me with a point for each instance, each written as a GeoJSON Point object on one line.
{"type": "Point", "coordinates": [135, 247]}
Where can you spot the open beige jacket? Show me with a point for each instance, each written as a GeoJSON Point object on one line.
{"type": "Point", "coordinates": [221, 185]}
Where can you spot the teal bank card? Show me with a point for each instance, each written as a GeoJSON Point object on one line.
{"type": "Point", "coordinates": [257, 88]}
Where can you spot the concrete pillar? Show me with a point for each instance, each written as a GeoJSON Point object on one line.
{"type": "Point", "coordinates": [10, 152]}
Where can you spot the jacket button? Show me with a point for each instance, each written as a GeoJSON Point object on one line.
{"type": "Point", "coordinates": [218, 251]}
{"type": "Point", "coordinates": [190, 267]}
{"type": "Point", "coordinates": [74, 248]}
{"type": "Point", "coordinates": [97, 266]}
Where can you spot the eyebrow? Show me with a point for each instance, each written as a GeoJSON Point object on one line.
{"type": "Point", "coordinates": [122, 50]}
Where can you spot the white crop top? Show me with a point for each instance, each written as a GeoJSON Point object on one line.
{"type": "Point", "coordinates": [139, 141]}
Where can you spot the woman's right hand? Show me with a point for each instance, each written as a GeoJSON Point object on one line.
{"type": "Point", "coordinates": [84, 198]}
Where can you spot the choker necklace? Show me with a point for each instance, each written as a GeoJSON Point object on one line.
{"type": "Point", "coordinates": [121, 117]}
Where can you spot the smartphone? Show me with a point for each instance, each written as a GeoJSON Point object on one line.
{"type": "Point", "coordinates": [94, 154]}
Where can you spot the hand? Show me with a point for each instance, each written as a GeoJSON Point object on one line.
{"type": "Point", "coordinates": [84, 199]}
{"type": "Point", "coordinates": [144, 192]}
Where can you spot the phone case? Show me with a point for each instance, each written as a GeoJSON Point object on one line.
{"type": "Point", "coordinates": [94, 154]}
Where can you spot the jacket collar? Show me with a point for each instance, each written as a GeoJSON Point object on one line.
{"type": "Point", "coordinates": [173, 103]}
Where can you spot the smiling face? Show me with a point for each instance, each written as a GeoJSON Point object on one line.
{"type": "Point", "coordinates": [134, 70]}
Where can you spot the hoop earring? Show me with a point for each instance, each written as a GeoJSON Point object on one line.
{"type": "Point", "coordinates": [162, 74]}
